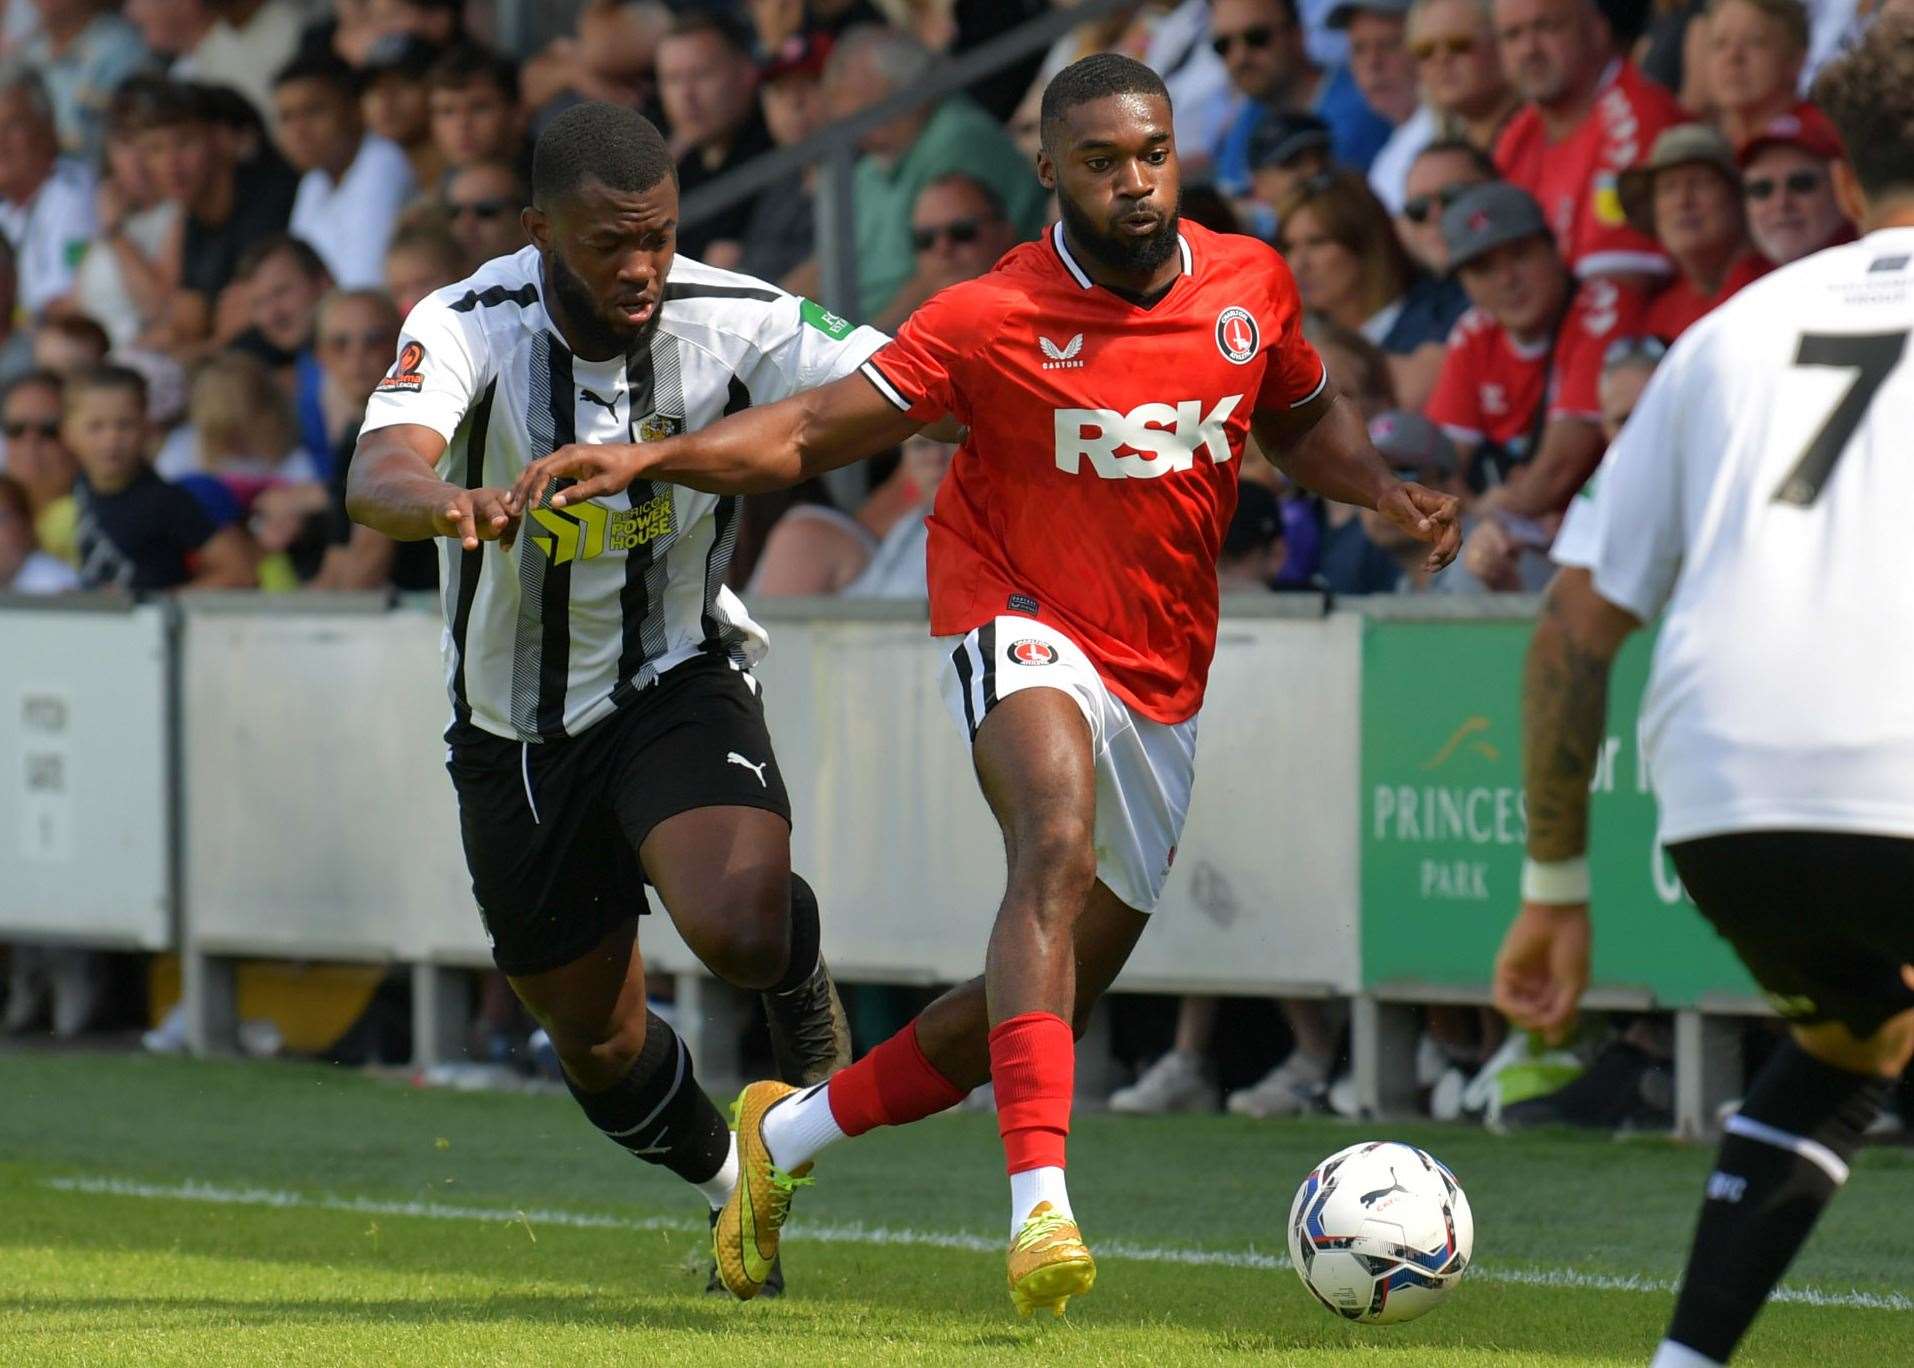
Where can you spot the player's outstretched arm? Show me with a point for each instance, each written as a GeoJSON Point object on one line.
{"type": "Point", "coordinates": [1324, 445]}
{"type": "Point", "coordinates": [393, 488]}
{"type": "Point", "coordinates": [773, 447]}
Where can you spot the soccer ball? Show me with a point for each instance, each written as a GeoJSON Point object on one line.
{"type": "Point", "coordinates": [1380, 1232]}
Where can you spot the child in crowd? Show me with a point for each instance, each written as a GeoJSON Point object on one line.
{"type": "Point", "coordinates": [135, 530]}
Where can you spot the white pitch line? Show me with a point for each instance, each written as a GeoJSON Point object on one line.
{"type": "Point", "coordinates": [856, 1233]}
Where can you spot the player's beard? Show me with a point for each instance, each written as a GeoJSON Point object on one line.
{"type": "Point", "coordinates": [587, 330]}
{"type": "Point", "coordinates": [1121, 253]}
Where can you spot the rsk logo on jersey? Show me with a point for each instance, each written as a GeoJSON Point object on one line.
{"type": "Point", "coordinates": [1236, 335]}
{"type": "Point", "coordinates": [1066, 357]}
{"type": "Point", "coordinates": [587, 530]}
{"type": "Point", "coordinates": [1172, 432]}
{"type": "Point", "coordinates": [1030, 651]}
{"type": "Point", "coordinates": [404, 378]}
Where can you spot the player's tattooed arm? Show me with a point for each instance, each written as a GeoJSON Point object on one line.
{"type": "Point", "coordinates": [393, 488]}
{"type": "Point", "coordinates": [758, 449]}
{"type": "Point", "coordinates": [1565, 710]}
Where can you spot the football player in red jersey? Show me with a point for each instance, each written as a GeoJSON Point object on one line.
{"type": "Point", "coordinates": [1109, 375]}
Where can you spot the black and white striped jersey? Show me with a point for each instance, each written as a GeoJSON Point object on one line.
{"type": "Point", "coordinates": [594, 601]}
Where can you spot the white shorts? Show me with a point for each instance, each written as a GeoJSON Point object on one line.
{"type": "Point", "coordinates": [1145, 769]}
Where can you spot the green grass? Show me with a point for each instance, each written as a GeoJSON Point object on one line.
{"type": "Point", "coordinates": [90, 1276]}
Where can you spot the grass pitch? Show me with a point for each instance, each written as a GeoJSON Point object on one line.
{"type": "Point", "coordinates": [160, 1212]}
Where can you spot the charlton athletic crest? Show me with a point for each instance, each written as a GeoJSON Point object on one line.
{"type": "Point", "coordinates": [1236, 335]}
{"type": "Point", "coordinates": [1033, 652]}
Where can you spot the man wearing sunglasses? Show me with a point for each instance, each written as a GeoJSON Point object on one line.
{"type": "Point", "coordinates": [1459, 64]}
{"type": "Point", "coordinates": [1786, 185]}
{"type": "Point", "coordinates": [481, 204]}
{"type": "Point", "coordinates": [957, 230]}
{"type": "Point", "coordinates": [1386, 75]}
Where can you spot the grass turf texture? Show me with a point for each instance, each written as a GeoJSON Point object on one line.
{"type": "Point", "coordinates": [92, 1276]}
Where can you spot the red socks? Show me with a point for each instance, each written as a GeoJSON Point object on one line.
{"type": "Point", "coordinates": [893, 1085]}
{"type": "Point", "coordinates": [1033, 1061]}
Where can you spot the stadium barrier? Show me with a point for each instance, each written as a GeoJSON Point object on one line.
{"type": "Point", "coordinates": [1356, 830]}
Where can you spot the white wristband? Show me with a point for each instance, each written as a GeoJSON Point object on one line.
{"type": "Point", "coordinates": [1557, 882]}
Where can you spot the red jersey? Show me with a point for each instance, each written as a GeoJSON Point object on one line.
{"type": "Point", "coordinates": [1678, 303]}
{"type": "Point", "coordinates": [1099, 474]}
{"type": "Point", "coordinates": [1577, 181]}
{"type": "Point", "coordinates": [1491, 385]}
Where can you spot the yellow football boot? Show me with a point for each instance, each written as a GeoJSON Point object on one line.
{"type": "Point", "coordinates": [744, 1242]}
{"type": "Point", "coordinates": [1049, 1263]}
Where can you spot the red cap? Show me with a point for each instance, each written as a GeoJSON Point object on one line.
{"type": "Point", "coordinates": [802, 54]}
{"type": "Point", "coordinates": [1804, 127]}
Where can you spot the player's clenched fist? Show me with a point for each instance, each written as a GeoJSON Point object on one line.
{"type": "Point", "coordinates": [477, 515]}
{"type": "Point", "coordinates": [1427, 516]}
{"type": "Point", "coordinates": [599, 469]}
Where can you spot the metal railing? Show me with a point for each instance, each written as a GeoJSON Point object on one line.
{"type": "Point", "coordinates": [834, 148]}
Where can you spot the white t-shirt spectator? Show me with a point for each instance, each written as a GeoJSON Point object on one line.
{"type": "Point", "coordinates": [1390, 170]}
{"type": "Point", "coordinates": [99, 286]}
{"type": "Point", "coordinates": [50, 233]}
{"type": "Point", "coordinates": [349, 222]}
{"type": "Point", "coordinates": [248, 57]}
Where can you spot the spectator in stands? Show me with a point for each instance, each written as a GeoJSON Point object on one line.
{"type": "Point", "coordinates": [24, 567]}
{"type": "Point", "coordinates": [347, 32]}
{"type": "Point", "coordinates": [1385, 72]}
{"type": "Point", "coordinates": [354, 183]}
{"type": "Point", "coordinates": [1440, 176]}
{"type": "Point", "coordinates": [1517, 392]}
{"type": "Point", "coordinates": [284, 279]}
{"type": "Point", "coordinates": [1626, 366]}
{"type": "Point", "coordinates": [708, 81]}
{"type": "Point", "coordinates": [124, 279]}
{"type": "Point", "coordinates": [68, 344]}
{"type": "Point", "coordinates": [867, 66]}
{"type": "Point", "coordinates": [423, 257]}
{"type": "Point", "coordinates": [797, 541]}
{"type": "Point", "coordinates": [396, 103]}
{"type": "Point", "coordinates": [482, 204]}
{"type": "Point", "coordinates": [475, 110]}
{"type": "Point", "coordinates": [958, 231]}
{"type": "Point", "coordinates": [1688, 193]}
{"type": "Point", "coordinates": [135, 531]}
{"type": "Point", "coordinates": [1409, 441]}
{"type": "Point", "coordinates": [83, 51]}
{"type": "Point", "coordinates": [1351, 267]}
{"type": "Point", "coordinates": [1261, 44]}
{"type": "Point", "coordinates": [39, 460]}
{"type": "Point", "coordinates": [1253, 551]}
{"type": "Point", "coordinates": [16, 344]}
{"type": "Point", "coordinates": [238, 43]}
{"type": "Point", "coordinates": [613, 57]}
{"type": "Point", "coordinates": [895, 514]}
{"type": "Point", "coordinates": [782, 232]}
{"type": "Point", "coordinates": [1284, 151]}
{"type": "Point", "coordinates": [1755, 52]}
{"type": "Point", "coordinates": [1460, 67]}
{"type": "Point", "coordinates": [1788, 189]}
{"type": "Point", "coordinates": [228, 203]}
{"type": "Point", "coordinates": [46, 200]}
{"type": "Point", "coordinates": [1589, 115]}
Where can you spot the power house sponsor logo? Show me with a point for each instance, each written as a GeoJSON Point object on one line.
{"type": "Point", "coordinates": [1153, 439]}
{"type": "Point", "coordinates": [588, 530]}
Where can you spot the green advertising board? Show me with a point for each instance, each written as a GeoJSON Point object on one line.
{"type": "Point", "coordinates": [1443, 828]}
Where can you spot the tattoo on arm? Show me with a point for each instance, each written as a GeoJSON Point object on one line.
{"type": "Point", "coordinates": [1564, 720]}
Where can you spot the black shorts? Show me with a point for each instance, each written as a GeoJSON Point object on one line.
{"type": "Point", "coordinates": [552, 830]}
{"type": "Point", "coordinates": [1824, 920]}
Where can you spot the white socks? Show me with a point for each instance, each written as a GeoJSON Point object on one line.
{"type": "Point", "coordinates": [1672, 1355]}
{"type": "Point", "coordinates": [717, 1188]}
{"type": "Point", "coordinates": [1036, 1185]}
{"type": "Point", "coordinates": [796, 1128]}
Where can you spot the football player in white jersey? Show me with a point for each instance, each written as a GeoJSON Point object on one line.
{"type": "Point", "coordinates": [607, 731]}
{"type": "Point", "coordinates": [1756, 500]}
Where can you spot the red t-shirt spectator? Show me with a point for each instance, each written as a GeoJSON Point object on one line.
{"type": "Point", "coordinates": [1099, 474]}
{"type": "Point", "coordinates": [1491, 386]}
{"type": "Point", "coordinates": [1576, 180]}
{"type": "Point", "coordinates": [1678, 303]}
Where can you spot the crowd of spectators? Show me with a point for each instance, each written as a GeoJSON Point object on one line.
{"type": "Point", "coordinates": [214, 215]}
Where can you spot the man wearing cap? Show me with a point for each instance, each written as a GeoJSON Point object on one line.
{"type": "Point", "coordinates": [1788, 189]}
{"type": "Point", "coordinates": [1285, 150]}
{"type": "Point", "coordinates": [1688, 196]}
{"type": "Point", "coordinates": [1518, 387]}
{"type": "Point", "coordinates": [708, 82]}
{"type": "Point", "coordinates": [1385, 73]}
{"type": "Point", "coordinates": [1261, 44]}
{"type": "Point", "coordinates": [1410, 442]}
{"type": "Point", "coordinates": [1589, 115]}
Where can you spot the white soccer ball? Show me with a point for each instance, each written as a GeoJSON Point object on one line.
{"type": "Point", "coordinates": [1380, 1232]}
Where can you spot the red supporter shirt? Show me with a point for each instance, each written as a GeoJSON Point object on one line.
{"type": "Point", "coordinates": [1490, 384]}
{"type": "Point", "coordinates": [1099, 474]}
{"type": "Point", "coordinates": [1577, 181]}
{"type": "Point", "coordinates": [1678, 303]}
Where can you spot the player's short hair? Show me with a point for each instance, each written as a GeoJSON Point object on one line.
{"type": "Point", "coordinates": [102, 380]}
{"type": "Point", "coordinates": [1096, 77]}
{"type": "Point", "coordinates": [263, 250]}
{"type": "Point", "coordinates": [1791, 15]}
{"type": "Point", "coordinates": [470, 64]}
{"type": "Point", "coordinates": [617, 147]}
{"type": "Point", "coordinates": [322, 67]}
{"type": "Point", "coordinates": [1869, 93]}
